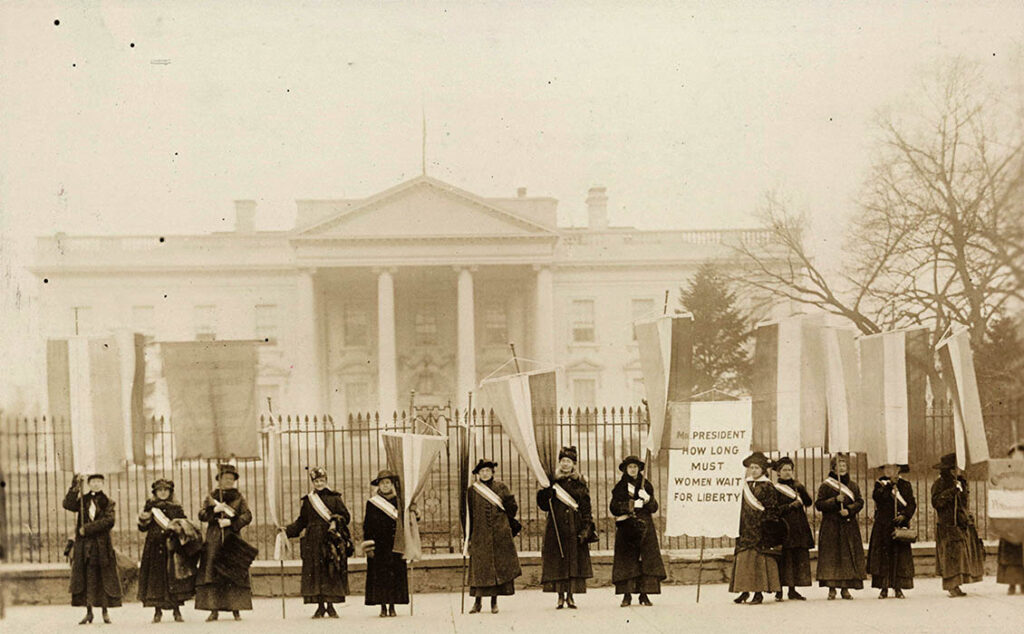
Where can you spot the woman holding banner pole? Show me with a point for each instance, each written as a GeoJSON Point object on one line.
{"type": "Point", "coordinates": [569, 531]}
{"type": "Point", "coordinates": [637, 566]}
{"type": "Point", "coordinates": [840, 549]}
{"type": "Point", "coordinates": [754, 569]}
{"type": "Point", "coordinates": [493, 560]}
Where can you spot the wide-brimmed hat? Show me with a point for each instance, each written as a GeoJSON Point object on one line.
{"type": "Point", "coordinates": [384, 474]}
{"type": "Point", "coordinates": [317, 472]}
{"type": "Point", "coordinates": [1017, 446]}
{"type": "Point", "coordinates": [227, 468]}
{"type": "Point", "coordinates": [162, 483]}
{"type": "Point", "coordinates": [784, 460]}
{"type": "Point", "coordinates": [628, 460]}
{"type": "Point", "coordinates": [570, 453]}
{"type": "Point", "coordinates": [757, 458]}
{"type": "Point", "coordinates": [946, 462]}
{"type": "Point", "coordinates": [484, 463]}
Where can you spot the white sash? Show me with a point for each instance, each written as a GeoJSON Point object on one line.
{"type": "Point", "coordinates": [564, 497]}
{"type": "Point", "coordinates": [161, 519]}
{"type": "Point", "coordinates": [487, 494]}
{"type": "Point", "coordinates": [839, 486]}
{"type": "Point", "coordinates": [319, 506]}
{"type": "Point", "coordinates": [786, 490]}
{"type": "Point", "coordinates": [748, 494]}
{"type": "Point", "coordinates": [389, 509]}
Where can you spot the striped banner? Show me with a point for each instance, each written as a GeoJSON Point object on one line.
{"type": "Point", "coordinates": [411, 456]}
{"type": "Point", "coordinates": [842, 388]}
{"type": "Point", "coordinates": [527, 408]}
{"type": "Point", "coordinates": [94, 387]}
{"type": "Point", "coordinates": [666, 360]}
{"type": "Point", "coordinates": [789, 407]}
{"type": "Point", "coordinates": [957, 368]}
{"type": "Point", "coordinates": [893, 376]}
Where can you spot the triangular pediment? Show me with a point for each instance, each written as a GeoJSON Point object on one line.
{"type": "Point", "coordinates": [424, 208]}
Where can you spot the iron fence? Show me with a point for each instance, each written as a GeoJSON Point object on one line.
{"type": "Point", "coordinates": [34, 527]}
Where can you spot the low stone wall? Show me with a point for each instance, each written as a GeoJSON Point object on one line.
{"type": "Point", "coordinates": [48, 583]}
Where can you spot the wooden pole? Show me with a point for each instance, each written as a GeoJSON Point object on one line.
{"type": "Point", "coordinates": [700, 567]}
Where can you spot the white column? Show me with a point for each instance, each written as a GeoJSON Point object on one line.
{"type": "Point", "coordinates": [387, 363]}
{"type": "Point", "coordinates": [466, 338]}
{"type": "Point", "coordinates": [544, 319]}
{"type": "Point", "coordinates": [306, 389]}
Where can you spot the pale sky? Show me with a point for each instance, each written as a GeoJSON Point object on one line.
{"type": "Point", "coordinates": [686, 111]}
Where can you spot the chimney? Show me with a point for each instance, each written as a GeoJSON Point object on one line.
{"type": "Point", "coordinates": [597, 208]}
{"type": "Point", "coordinates": [521, 192]}
{"type": "Point", "coordinates": [245, 216]}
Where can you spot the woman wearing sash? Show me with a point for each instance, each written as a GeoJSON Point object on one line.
{"type": "Point", "coordinates": [568, 533]}
{"type": "Point", "coordinates": [159, 588]}
{"type": "Point", "coordinates": [840, 549]}
{"type": "Point", "coordinates": [959, 557]}
{"type": "Point", "coordinates": [225, 512]}
{"type": "Point", "coordinates": [94, 575]}
{"type": "Point", "coordinates": [324, 545]}
{"type": "Point", "coordinates": [637, 566]}
{"type": "Point", "coordinates": [795, 562]}
{"type": "Point", "coordinates": [387, 581]}
{"type": "Point", "coordinates": [891, 562]}
{"type": "Point", "coordinates": [493, 560]}
{"type": "Point", "coordinates": [1010, 568]}
{"type": "Point", "coordinates": [752, 569]}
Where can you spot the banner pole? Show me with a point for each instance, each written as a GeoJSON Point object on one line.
{"type": "Point", "coordinates": [700, 567]}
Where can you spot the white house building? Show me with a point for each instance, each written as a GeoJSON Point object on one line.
{"type": "Point", "coordinates": [420, 287]}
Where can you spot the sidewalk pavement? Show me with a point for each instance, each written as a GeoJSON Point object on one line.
{"type": "Point", "coordinates": [987, 608]}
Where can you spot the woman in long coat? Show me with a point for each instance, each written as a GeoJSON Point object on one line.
{"type": "Point", "coordinates": [158, 586]}
{"type": "Point", "coordinates": [493, 560]}
{"type": "Point", "coordinates": [323, 523]}
{"type": "Point", "coordinates": [891, 562]}
{"type": "Point", "coordinates": [959, 557]}
{"type": "Point", "coordinates": [637, 566]}
{"type": "Point", "coordinates": [1010, 568]}
{"type": "Point", "coordinates": [94, 576]}
{"type": "Point", "coordinates": [387, 580]}
{"type": "Point", "coordinates": [753, 570]}
{"type": "Point", "coordinates": [840, 549]}
{"type": "Point", "coordinates": [568, 533]}
{"type": "Point", "coordinates": [225, 511]}
{"type": "Point", "coordinates": [795, 561]}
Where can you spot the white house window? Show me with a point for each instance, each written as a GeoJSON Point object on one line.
{"type": "Point", "coordinates": [583, 321]}
{"type": "Point", "coordinates": [495, 326]}
{"type": "Point", "coordinates": [426, 325]}
{"type": "Point", "coordinates": [203, 322]}
{"type": "Point", "coordinates": [357, 326]}
{"type": "Point", "coordinates": [584, 392]}
{"type": "Point", "coordinates": [266, 321]}
{"type": "Point", "coordinates": [81, 320]}
{"type": "Point", "coordinates": [143, 319]}
{"type": "Point", "coordinates": [642, 309]}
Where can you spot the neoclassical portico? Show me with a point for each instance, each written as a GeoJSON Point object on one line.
{"type": "Point", "coordinates": [383, 265]}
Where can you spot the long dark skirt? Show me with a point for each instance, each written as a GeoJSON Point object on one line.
{"type": "Point", "coordinates": [753, 571]}
{"type": "Point", "coordinates": [795, 567]}
{"type": "Point", "coordinates": [644, 584]}
{"type": "Point", "coordinates": [503, 590]}
{"type": "Point", "coordinates": [223, 596]}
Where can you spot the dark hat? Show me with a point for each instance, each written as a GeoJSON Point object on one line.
{"type": "Point", "coordinates": [1017, 446]}
{"type": "Point", "coordinates": [163, 483]}
{"type": "Point", "coordinates": [946, 462]}
{"type": "Point", "coordinates": [628, 460]}
{"type": "Point", "coordinates": [484, 463]}
{"type": "Point", "coordinates": [384, 474]}
{"type": "Point", "coordinates": [757, 458]}
{"type": "Point", "coordinates": [784, 460]}
{"type": "Point", "coordinates": [95, 476]}
{"type": "Point", "coordinates": [227, 468]}
{"type": "Point", "coordinates": [569, 452]}
{"type": "Point", "coordinates": [317, 472]}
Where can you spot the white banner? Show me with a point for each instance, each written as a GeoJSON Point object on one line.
{"type": "Point", "coordinates": [705, 480]}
